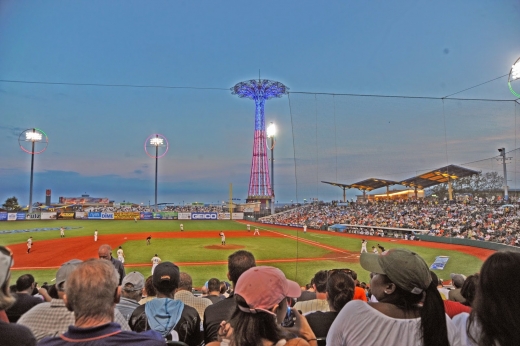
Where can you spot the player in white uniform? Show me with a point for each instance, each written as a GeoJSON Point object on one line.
{"type": "Point", "coordinates": [222, 238]}
{"type": "Point", "coordinates": [304, 228]}
{"type": "Point", "coordinates": [374, 249]}
{"type": "Point", "coordinates": [29, 245]}
{"type": "Point", "coordinates": [155, 261]}
{"type": "Point", "coordinates": [364, 246]}
{"type": "Point", "coordinates": [248, 227]}
{"type": "Point", "coordinates": [62, 232]}
{"type": "Point", "coordinates": [121, 255]}
{"type": "Point", "coordinates": [256, 232]}
{"type": "Point", "coordinates": [182, 227]}
{"type": "Point", "coordinates": [95, 235]}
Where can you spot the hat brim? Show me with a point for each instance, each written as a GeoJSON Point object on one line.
{"type": "Point", "coordinates": [370, 262]}
{"type": "Point", "coordinates": [293, 289]}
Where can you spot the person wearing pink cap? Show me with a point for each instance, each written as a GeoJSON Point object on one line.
{"type": "Point", "coordinates": [261, 306]}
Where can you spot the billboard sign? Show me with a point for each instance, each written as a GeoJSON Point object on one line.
{"type": "Point", "coordinates": [11, 216]}
{"type": "Point", "coordinates": [96, 215]}
{"type": "Point", "coordinates": [126, 215]}
{"type": "Point", "coordinates": [20, 216]}
{"type": "Point", "coordinates": [146, 215]}
{"type": "Point", "coordinates": [204, 216]}
{"type": "Point", "coordinates": [33, 216]}
{"type": "Point", "coordinates": [184, 216]}
{"type": "Point", "coordinates": [3, 216]}
{"type": "Point", "coordinates": [107, 216]}
{"type": "Point", "coordinates": [48, 216]}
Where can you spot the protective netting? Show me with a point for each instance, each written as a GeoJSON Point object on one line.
{"type": "Point", "coordinates": [345, 138]}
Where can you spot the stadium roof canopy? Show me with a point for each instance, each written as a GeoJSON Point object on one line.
{"type": "Point", "coordinates": [373, 184]}
{"type": "Point", "coordinates": [438, 176]}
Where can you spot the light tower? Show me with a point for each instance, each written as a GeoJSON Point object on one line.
{"type": "Point", "coordinates": [34, 137]}
{"type": "Point", "coordinates": [260, 90]}
{"type": "Point", "coordinates": [154, 142]}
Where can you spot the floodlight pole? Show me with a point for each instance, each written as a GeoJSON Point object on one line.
{"type": "Point", "coordinates": [503, 154]}
{"type": "Point", "coordinates": [271, 131]}
{"type": "Point", "coordinates": [32, 171]}
{"type": "Point", "coordinates": [156, 169]}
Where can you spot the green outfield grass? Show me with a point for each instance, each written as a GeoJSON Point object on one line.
{"type": "Point", "coordinates": [264, 248]}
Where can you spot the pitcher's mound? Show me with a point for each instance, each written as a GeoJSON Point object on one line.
{"type": "Point", "coordinates": [223, 247]}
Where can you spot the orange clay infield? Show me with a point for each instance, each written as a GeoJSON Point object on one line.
{"type": "Point", "coordinates": [54, 252]}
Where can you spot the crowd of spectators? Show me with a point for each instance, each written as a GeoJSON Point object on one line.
{"type": "Point", "coordinates": [91, 303]}
{"type": "Point", "coordinates": [477, 219]}
{"type": "Point", "coordinates": [145, 208]}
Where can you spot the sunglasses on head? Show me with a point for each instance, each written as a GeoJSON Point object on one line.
{"type": "Point", "coordinates": [332, 271]}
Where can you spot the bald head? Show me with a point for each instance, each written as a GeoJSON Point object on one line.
{"type": "Point", "coordinates": [105, 252]}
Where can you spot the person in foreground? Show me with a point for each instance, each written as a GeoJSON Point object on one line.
{"type": "Point", "coordinates": [409, 311]}
{"type": "Point", "coordinates": [11, 334]}
{"type": "Point", "coordinates": [494, 319]}
{"type": "Point", "coordinates": [261, 306]}
{"type": "Point", "coordinates": [92, 292]}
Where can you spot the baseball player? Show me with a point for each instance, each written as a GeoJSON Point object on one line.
{"type": "Point", "coordinates": [248, 227]}
{"type": "Point", "coordinates": [363, 246]}
{"type": "Point", "coordinates": [222, 238]}
{"type": "Point", "coordinates": [182, 227]}
{"type": "Point", "coordinates": [148, 239]}
{"type": "Point", "coordinates": [155, 261]}
{"type": "Point", "coordinates": [95, 235]}
{"type": "Point", "coordinates": [29, 244]}
{"type": "Point", "coordinates": [256, 232]}
{"type": "Point", "coordinates": [62, 232]}
{"type": "Point", "coordinates": [304, 228]}
{"type": "Point", "coordinates": [374, 250]}
{"type": "Point", "coordinates": [121, 255]}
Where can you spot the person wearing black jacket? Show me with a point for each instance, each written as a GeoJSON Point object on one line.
{"type": "Point", "coordinates": [166, 315]}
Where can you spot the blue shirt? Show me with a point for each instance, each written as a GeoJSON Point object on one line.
{"type": "Point", "coordinates": [104, 335]}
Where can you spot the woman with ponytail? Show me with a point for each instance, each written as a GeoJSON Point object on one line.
{"type": "Point", "coordinates": [409, 310]}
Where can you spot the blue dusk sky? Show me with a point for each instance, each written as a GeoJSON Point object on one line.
{"type": "Point", "coordinates": [97, 132]}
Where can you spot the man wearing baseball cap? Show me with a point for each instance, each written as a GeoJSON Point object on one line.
{"type": "Point", "coordinates": [53, 318]}
{"type": "Point", "coordinates": [131, 293]}
{"type": "Point", "coordinates": [166, 315]}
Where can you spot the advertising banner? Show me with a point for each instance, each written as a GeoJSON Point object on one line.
{"type": "Point", "coordinates": [204, 216]}
{"type": "Point", "coordinates": [3, 216]}
{"type": "Point", "coordinates": [440, 262]}
{"type": "Point", "coordinates": [236, 216]}
{"type": "Point", "coordinates": [11, 216]}
{"type": "Point", "coordinates": [83, 200]}
{"type": "Point", "coordinates": [167, 215]}
{"type": "Point", "coordinates": [48, 216]}
{"type": "Point", "coordinates": [146, 215]}
{"type": "Point", "coordinates": [107, 216]}
{"type": "Point", "coordinates": [184, 216]}
{"type": "Point", "coordinates": [80, 215]}
{"type": "Point", "coordinates": [33, 216]}
{"type": "Point", "coordinates": [96, 215]}
{"type": "Point", "coordinates": [66, 215]}
{"type": "Point", "coordinates": [20, 216]}
{"type": "Point", "coordinates": [126, 215]}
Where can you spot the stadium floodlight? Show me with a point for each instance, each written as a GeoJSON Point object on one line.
{"type": "Point", "coordinates": [502, 152]}
{"type": "Point", "coordinates": [271, 132]}
{"type": "Point", "coordinates": [514, 74]}
{"type": "Point", "coordinates": [160, 145]}
{"type": "Point", "coordinates": [33, 138]}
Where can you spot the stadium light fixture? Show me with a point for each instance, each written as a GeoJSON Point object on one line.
{"type": "Point", "coordinates": [271, 133]}
{"type": "Point", "coordinates": [514, 74]}
{"type": "Point", "coordinates": [38, 141]}
{"type": "Point", "coordinates": [502, 152]}
{"type": "Point", "coordinates": [156, 142]}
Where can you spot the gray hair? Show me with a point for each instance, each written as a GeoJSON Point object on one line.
{"type": "Point", "coordinates": [91, 289]}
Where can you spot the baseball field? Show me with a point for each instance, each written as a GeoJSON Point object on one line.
{"type": "Point", "coordinates": [198, 250]}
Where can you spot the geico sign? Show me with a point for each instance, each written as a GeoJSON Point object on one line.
{"type": "Point", "coordinates": [204, 216]}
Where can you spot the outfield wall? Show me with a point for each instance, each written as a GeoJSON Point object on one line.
{"type": "Point", "coordinates": [130, 215]}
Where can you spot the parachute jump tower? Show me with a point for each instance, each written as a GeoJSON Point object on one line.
{"type": "Point", "coordinates": [261, 90]}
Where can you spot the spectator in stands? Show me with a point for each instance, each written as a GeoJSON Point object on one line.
{"type": "Point", "coordinates": [494, 318]}
{"type": "Point", "coordinates": [131, 293]}
{"type": "Point", "coordinates": [469, 289]}
{"type": "Point", "coordinates": [25, 286]}
{"type": "Point", "coordinates": [149, 291]}
{"type": "Point", "coordinates": [185, 295]}
{"type": "Point", "coordinates": [309, 292]}
{"type": "Point", "coordinates": [166, 315]}
{"type": "Point", "coordinates": [261, 301]}
{"type": "Point", "coordinates": [105, 252]}
{"type": "Point", "coordinates": [238, 263]}
{"type": "Point", "coordinates": [450, 307]}
{"type": "Point", "coordinates": [457, 280]}
{"type": "Point", "coordinates": [92, 292]}
{"type": "Point", "coordinates": [340, 290]}
{"type": "Point", "coordinates": [359, 292]}
{"type": "Point", "coordinates": [53, 318]}
{"type": "Point", "coordinates": [213, 290]}
{"type": "Point", "coordinates": [409, 309]}
{"type": "Point", "coordinates": [320, 303]}
{"type": "Point", "coordinates": [11, 334]}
